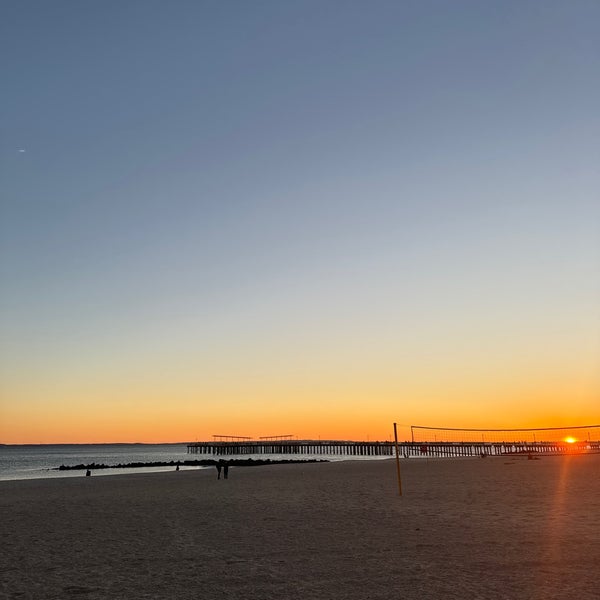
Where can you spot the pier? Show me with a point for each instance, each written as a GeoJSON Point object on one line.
{"type": "Point", "coordinates": [241, 447]}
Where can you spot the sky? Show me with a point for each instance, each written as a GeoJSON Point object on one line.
{"type": "Point", "coordinates": [306, 218]}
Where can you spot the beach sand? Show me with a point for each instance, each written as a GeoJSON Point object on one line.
{"type": "Point", "coordinates": [502, 527]}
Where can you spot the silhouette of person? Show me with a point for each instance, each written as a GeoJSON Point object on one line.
{"type": "Point", "coordinates": [219, 465]}
{"type": "Point", "coordinates": [177, 468]}
{"type": "Point", "coordinates": [226, 470]}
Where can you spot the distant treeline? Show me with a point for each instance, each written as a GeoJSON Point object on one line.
{"type": "Point", "coordinates": [245, 462]}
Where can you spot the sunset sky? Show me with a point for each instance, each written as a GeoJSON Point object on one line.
{"type": "Point", "coordinates": [311, 218]}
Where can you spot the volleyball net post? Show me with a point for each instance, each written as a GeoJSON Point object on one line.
{"type": "Point", "coordinates": [397, 460]}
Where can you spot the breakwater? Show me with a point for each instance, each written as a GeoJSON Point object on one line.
{"type": "Point", "coordinates": [248, 462]}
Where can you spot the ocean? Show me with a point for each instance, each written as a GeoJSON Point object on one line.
{"type": "Point", "coordinates": [41, 461]}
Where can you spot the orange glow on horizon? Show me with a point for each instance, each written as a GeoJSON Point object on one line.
{"type": "Point", "coordinates": [570, 440]}
{"type": "Point", "coordinates": [161, 409]}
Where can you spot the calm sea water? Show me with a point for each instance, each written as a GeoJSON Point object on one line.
{"type": "Point", "coordinates": [39, 461]}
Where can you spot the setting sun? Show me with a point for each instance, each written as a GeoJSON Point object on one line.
{"type": "Point", "coordinates": [570, 440]}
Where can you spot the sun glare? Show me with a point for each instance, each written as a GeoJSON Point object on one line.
{"type": "Point", "coordinates": [570, 440]}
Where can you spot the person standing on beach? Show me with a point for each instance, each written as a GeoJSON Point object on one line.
{"type": "Point", "coordinates": [226, 470]}
{"type": "Point", "coordinates": [218, 465]}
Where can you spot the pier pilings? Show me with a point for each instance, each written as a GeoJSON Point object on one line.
{"type": "Point", "coordinates": [373, 449]}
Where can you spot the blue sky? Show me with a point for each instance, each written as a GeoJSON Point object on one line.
{"type": "Point", "coordinates": [241, 188]}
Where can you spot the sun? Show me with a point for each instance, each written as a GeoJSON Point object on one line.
{"type": "Point", "coordinates": [570, 440]}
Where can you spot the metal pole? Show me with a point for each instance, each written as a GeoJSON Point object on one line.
{"type": "Point", "coordinates": [397, 460]}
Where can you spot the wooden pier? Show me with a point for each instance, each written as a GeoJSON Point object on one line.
{"type": "Point", "coordinates": [407, 449]}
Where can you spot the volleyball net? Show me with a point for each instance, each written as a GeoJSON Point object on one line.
{"type": "Point", "coordinates": [580, 433]}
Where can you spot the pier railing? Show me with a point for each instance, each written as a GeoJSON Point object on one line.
{"type": "Point", "coordinates": [407, 449]}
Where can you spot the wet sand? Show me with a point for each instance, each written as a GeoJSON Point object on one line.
{"type": "Point", "coordinates": [501, 527]}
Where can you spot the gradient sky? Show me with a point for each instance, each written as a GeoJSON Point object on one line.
{"type": "Point", "coordinates": [309, 218]}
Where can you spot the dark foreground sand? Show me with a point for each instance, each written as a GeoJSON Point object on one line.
{"type": "Point", "coordinates": [471, 528]}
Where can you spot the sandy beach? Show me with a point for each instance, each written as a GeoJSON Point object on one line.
{"type": "Point", "coordinates": [502, 527]}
